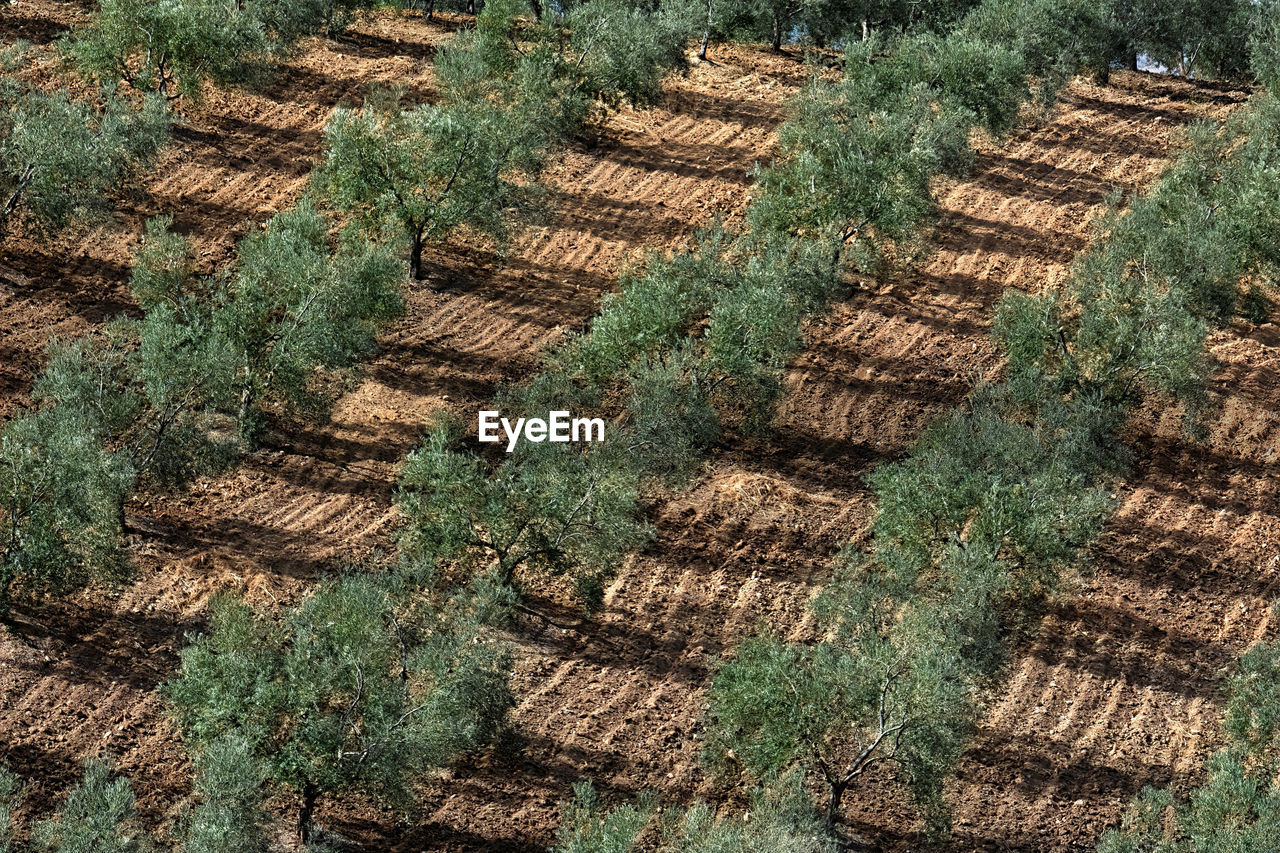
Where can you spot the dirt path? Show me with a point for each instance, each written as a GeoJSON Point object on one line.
{"type": "Point", "coordinates": [1127, 671]}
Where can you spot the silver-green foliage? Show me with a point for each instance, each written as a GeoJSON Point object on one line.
{"type": "Point", "coordinates": [173, 47]}
{"type": "Point", "coordinates": [423, 172]}
{"type": "Point", "coordinates": [230, 785]}
{"type": "Point", "coordinates": [362, 685]}
{"type": "Point", "coordinates": [1133, 317]}
{"type": "Point", "coordinates": [10, 794]}
{"type": "Point", "coordinates": [780, 817]}
{"type": "Point", "coordinates": [626, 49]}
{"type": "Point", "coordinates": [60, 156]}
{"type": "Point", "coordinates": [552, 509]}
{"type": "Point", "coordinates": [99, 816]}
{"type": "Point", "coordinates": [153, 399]}
{"type": "Point", "coordinates": [291, 307]}
{"type": "Point", "coordinates": [880, 687]}
{"type": "Point", "coordinates": [97, 424]}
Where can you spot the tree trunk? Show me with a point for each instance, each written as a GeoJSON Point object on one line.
{"type": "Point", "coordinates": [246, 404]}
{"type": "Point", "coordinates": [11, 203]}
{"type": "Point", "coordinates": [1133, 60]}
{"type": "Point", "coordinates": [306, 815]}
{"type": "Point", "coordinates": [706, 35]}
{"type": "Point", "coordinates": [777, 35]}
{"type": "Point", "coordinates": [415, 257]}
{"type": "Point", "coordinates": [428, 9]}
{"type": "Point", "coordinates": [537, 8]}
{"type": "Point", "coordinates": [833, 801]}
{"type": "Point", "coordinates": [471, 7]}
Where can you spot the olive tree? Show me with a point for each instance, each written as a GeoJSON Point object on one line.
{"type": "Point", "coordinates": [550, 509]}
{"type": "Point", "coordinates": [1208, 38]}
{"type": "Point", "coordinates": [870, 693]}
{"type": "Point", "coordinates": [62, 489]}
{"type": "Point", "coordinates": [856, 161]}
{"type": "Point", "coordinates": [172, 48]}
{"type": "Point", "coordinates": [168, 48]}
{"type": "Point", "coordinates": [60, 157]}
{"type": "Point", "coordinates": [136, 403]}
{"type": "Point", "coordinates": [291, 306]}
{"type": "Point", "coordinates": [230, 784]}
{"type": "Point", "coordinates": [420, 174]}
{"type": "Point", "coordinates": [780, 817]}
{"type": "Point", "coordinates": [98, 816]}
{"type": "Point", "coordinates": [623, 51]}
{"type": "Point", "coordinates": [1264, 48]}
{"type": "Point", "coordinates": [360, 686]}
{"type": "Point", "coordinates": [1133, 316]}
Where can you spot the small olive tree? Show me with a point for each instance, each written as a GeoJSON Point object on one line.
{"type": "Point", "coordinates": [60, 157]}
{"type": "Point", "coordinates": [291, 306]}
{"type": "Point", "coordinates": [868, 694]}
{"type": "Point", "coordinates": [172, 48]}
{"type": "Point", "coordinates": [780, 817]}
{"type": "Point", "coordinates": [550, 509]}
{"type": "Point", "coordinates": [99, 816]}
{"type": "Point", "coordinates": [62, 489]}
{"type": "Point", "coordinates": [230, 785]}
{"type": "Point", "coordinates": [419, 174]}
{"type": "Point", "coordinates": [358, 687]}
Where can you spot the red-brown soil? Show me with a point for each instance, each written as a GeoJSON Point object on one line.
{"type": "Point", "coordinates": [1117, 688]}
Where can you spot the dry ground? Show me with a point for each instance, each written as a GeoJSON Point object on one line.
{"type": "Point", "coordinates": [1117, 688]}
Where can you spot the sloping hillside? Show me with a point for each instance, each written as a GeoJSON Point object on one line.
{"type": "Point", "coordinates": [1115, 690]}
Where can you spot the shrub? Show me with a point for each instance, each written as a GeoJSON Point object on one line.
{"type": "Point", "coordinates": [626, 49]}
{"type": "Point", "coordinates": [171, 48]}
{"type": "Point", "coordinates": [780, 817]}
{"type": "Point", "coordinates": [656, 305]}
{"type": "Point", "coordinates": [672, 418]}
{"type": "Point", "coordinates": [229, 817]}
{"type": "Point", "coordinates": [97, 817]}
{"type": "Point", "coordinates": [62, 491]}
{"type": "Point", "coordinates": [1252, 719]}
{"type": "Point", "coordinates": [587, 827]}
{"type": "Point", "coordinates": [10, 794]}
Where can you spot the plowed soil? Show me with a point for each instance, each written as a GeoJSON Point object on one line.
{"type": "Point", "coordinates": [1117, 688]}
